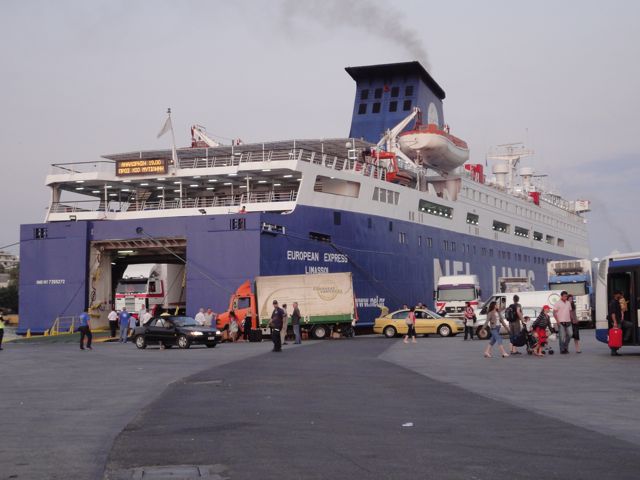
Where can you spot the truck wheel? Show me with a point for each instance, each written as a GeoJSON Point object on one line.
{"type": "Point", "coordinates": [141, 342]}
{"type": "Point", "coordinates": [389, 331]}
{"type": "Point", "coordinates": [183, 342]}
{"type": "Point", "coordinates": [482, 333]}
{"type": "Point", "coordinates": [319, 332]}
{"type": "Point", "coordinates": [444, 330]}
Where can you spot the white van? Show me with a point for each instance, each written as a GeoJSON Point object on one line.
{"type": "Point", "coordinates": [531, 302]}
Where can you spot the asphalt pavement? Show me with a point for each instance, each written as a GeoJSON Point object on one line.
{"type": "Point", "coordinates": [340, 410]}
{"type": "Point", "coordinates": [367, 407]}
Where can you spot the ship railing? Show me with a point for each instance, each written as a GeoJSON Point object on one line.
{"type": "Point", "coordinates": [344, 164]}
{"type": "Point", "coordinates": [115, 206]}
{"type": "Point", "coordinates": [218, 161]}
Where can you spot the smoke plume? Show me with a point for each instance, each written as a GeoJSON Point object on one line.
{"type": "Point", "coordinates": [363, 15]}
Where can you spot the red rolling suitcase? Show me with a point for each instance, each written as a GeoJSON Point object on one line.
{"type": "Point", "coordinates": [615, 338]}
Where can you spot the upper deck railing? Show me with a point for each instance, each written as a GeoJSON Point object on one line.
{"type": "Point", "coordinates": [115, 206]}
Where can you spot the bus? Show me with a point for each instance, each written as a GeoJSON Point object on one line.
{"type": "Point", "coordinates": [618, 272]}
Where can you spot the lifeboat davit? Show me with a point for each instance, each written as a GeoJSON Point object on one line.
{"type": "Point", "coordinates": [437, 148]}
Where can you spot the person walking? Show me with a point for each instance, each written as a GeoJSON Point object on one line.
{"type": "Point", "coordinates": [514, 316]}
{"type": "Point", "coordinates": [209, 318]}
{"type": "Point", "coordinates": [469, 320]}
{"type": "Point", "coordinates": [124, 325]}
{"type": "Point", "coordinates": [295, 323]}
{"type": "Point", "coordinates": [494, 321]}
{"type": "Point", "coordinates": [145, 318]}
{"type": "Point", "coordinates": [141, 314]}
{"type": "Point", "coordinates": [411, 326]}
{"type": "Point", "coordinates": [562, 313]}
{"type": "Point", "coordinates": [201, 318]}
{"type": "Point", "coordinates": [285, 325]}
{"type": "Point", "coordinates": [574, 324]}
{"type": "Point", "coordinates": [276, 322]}
{"type": "Point", "coordinates": [85, 330]}
{"type": "Point", "coordinates": [1, 329]}
{"type": "Point", "coordinates": [234, 327]}
{"type": "Point", "coordinates": [113, 322]}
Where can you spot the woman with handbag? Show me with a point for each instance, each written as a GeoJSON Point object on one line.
{"type": "Point", "coordinates": [411, 325]}
{"type": "Point", "coordinates": [494, 322]}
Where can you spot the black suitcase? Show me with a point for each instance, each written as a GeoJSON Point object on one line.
{"type": "Point", "coordinates": [255, 335]}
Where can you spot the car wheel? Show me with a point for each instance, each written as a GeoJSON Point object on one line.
{"type": "Point", "coordinates": [389, 331]}
{"type": "Point", "coordinates": [482, 333]}
{"type": "Point", "coordinates": [140, 342]}
{"type": "Point", "coordinates": [444, 330]}
{"type": "Point", "coordinates": [211, 345]}
{"type": "Point", "coordinates": [183, 342]}
{"type": "Point", "coordinates": [319, 332]}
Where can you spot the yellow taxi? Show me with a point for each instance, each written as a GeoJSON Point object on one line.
{"type": "Point", "coordinates": [427, 322]}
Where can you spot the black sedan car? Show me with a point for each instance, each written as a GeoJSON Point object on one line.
{"type": "Point", "coordinates": [170, 330]}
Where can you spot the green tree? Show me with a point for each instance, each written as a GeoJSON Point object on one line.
{"type": "Point", "coordinates": [9, 299]}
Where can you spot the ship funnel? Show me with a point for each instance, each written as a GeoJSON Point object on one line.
{"type": "Point", "coordinates": [526, 173]}
{"type": "Point", "coordinates": [501, 170]}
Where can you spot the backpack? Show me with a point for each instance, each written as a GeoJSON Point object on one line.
{"type": "Point", "coordinates": [511, 314]}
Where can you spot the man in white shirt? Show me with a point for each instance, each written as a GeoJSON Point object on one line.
{"type": "Point", "coordinates": [562, 312]}
{"type": "Point", "coordinates": [141, 314]}
{"type": "Point", "coordinates": [146, 317]}
{"type": "Point", "coordinates": [113, 322]}
{"type": "Point", "coordinates": [200, 318]}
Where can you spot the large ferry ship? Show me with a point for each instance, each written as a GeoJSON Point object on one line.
{"type": "Point", "coordinates": [394, 203]}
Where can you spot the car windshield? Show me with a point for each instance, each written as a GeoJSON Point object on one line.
{"type": "Point", "coordinates": [183, 321]}
{"type": "Point", "coordinates": [456, 293]}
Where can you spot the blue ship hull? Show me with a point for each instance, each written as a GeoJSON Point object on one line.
{"type": "Point", "coordinates": [54, 279]}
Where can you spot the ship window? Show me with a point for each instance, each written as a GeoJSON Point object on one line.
{"type": "Point", "coordinates": [369, 223]}
{"type": "Point", "coordinates": [362, 109]}
{"type": "Point", "coordinates": [550, 239]}
{"type": "Point", "coordinates": [408, 90]}
{"type": "Point", "coordinates": [484, 251]}
{"type": "Point", "coordinates": [453, 246]}
{"type": "Point", "coordinates": [335, 186]}
{"type": "Point", "coordinates": [537, 236]}
{"type": "Point", "coordinates": [337, 218]}
{"type": "Point", "coordinates": [364, 94]}
{"type": "Point", "coordinates": [491, 252]}
{"type": "Point", "coordinates": [406, 106]}
{"type": "Point", "coordinates": [40, 233]}
{"type": "Point", "coordinates": [378, 93]}
{"type": "Point", "coordinates": [376, 108]}
{"type": "Point", "coordinates": [395, 91]}
{"type": "Point", "coordinates": [472, 218]}
{"type": "Point", "coordinates": [376, 191]}
{"type": "Point", "coordinates": [391, 226]}
{"type": "Point", "coordinates": [402, 237]}
{"type": "Point", "coordinates": [560, 242]}
{"type": "Point", "coordinates": [500, 227]}
{"type": "Point", "coordinates": [393, 106]}
{"type": "Point", "coordinates": [435, 209]}
{"type": "Point", "coordinates": [521, 232]}
{"type": "Point", "coordinates": [238, 224]}
{"type": "Point", "coordinates": [419, 240]}
{"type": "Point", "coordinates": [429, 242]}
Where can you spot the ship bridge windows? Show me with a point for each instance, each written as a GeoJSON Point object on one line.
{"type": "Point", "coordinates": [406, 105]}
{"type": "Point", "coordinates": [364, 94]}
{"type": "Point", "coordinates": [393, 106]}
{"type": "Point", "coordinates": [377, 93]}
{"type": "Point", "coordinates": [550, 239]}
{"type": "Point", "coordinates": [537, 236]}
{"type": "Point", "coordinates": [472, 219]}
{"type": "Point", "coordinates": [435, 209]}
{"type": "Point", "coordinates": [500, 227]}
{"type": "Point", "coordinates": [561, 242]}
{"type": "Point", "coordinates": [408, 91]}
{"type": "Point", "coordinates": [395, 91]}
{"type": "Point", "coordinates": [376, 108]}
{"type": "Point", "coordinates": [362, 109]}
{"type": "Point", "coordinates": [521, 232]}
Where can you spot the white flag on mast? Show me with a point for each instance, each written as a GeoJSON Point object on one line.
{"type": "Point", "coordinates": [166, 127]}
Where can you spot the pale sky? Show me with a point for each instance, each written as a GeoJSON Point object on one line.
{"type": "Point", "coordinates": [85, 78]}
